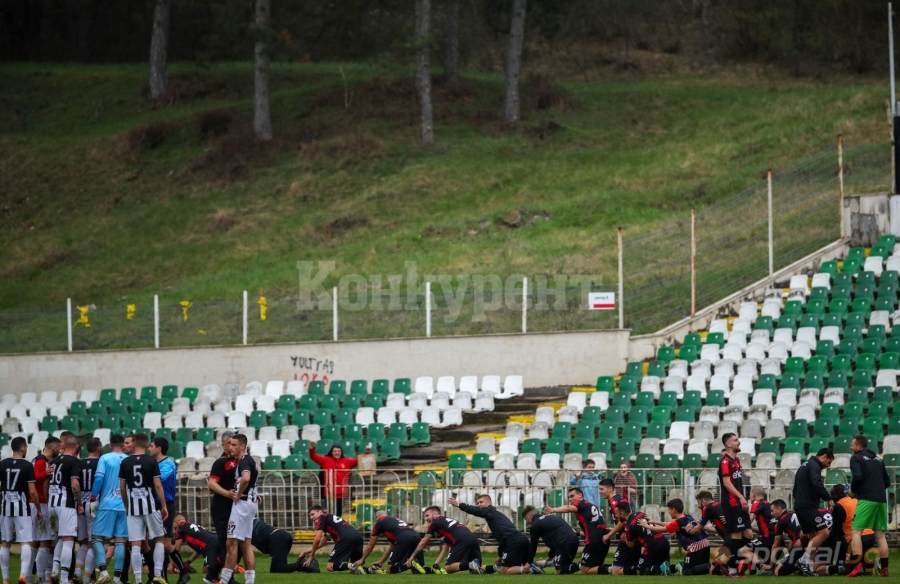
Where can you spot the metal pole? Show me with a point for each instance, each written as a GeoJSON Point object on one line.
{"type": "Point", "coordinates": [524, 305]}
{"type": "Point", "coordinates": [841, 179]}
{"type": "Point", "coordinates": [69, 321]}
{"type": "Point", "coordinates": [771, 227]}
{"type": "Point", "coordinates": [693, 262]}
{"type": "Point", "coordinates": [334, 319]}
{"type": "Point", "coordinates": [245, 317]}
{"type": "Point", "coordinates": [891, 57]}
{"type": "Point", "coordinates": [156, 321]}
{"type": "Point", "coordinates": [427, 309]}
{"type": "Point", "coordinates": [621, 285]}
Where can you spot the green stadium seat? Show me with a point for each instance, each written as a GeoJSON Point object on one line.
{"type": "Point", "coordinates": [889, 360]}
{"type": "Point", "coordinates": [98, 408]}
{"type": "Point", "coordinates": [301, 418]}
{"type": "Point", "coordinates": [626, 446]}
{"type": "Point", "coordinates": [713, 460]}
{"type": "Point", "coordinates": [716, 338]}
{"type": "Point", "coordinates": [767, 381]}
{"type": "Point", "coordinates": [765, 322]}
{"type": "Point", "coordinates": [636, 368]}
{"type": "Point", "coordinates": [686, 414]}
{"type": "Point", "coordinates": [191, 393]}
{"type": "Point", "coordinates": [160, 405]}
{"type": "Point", "coordinates": [791, 380]}
{"type": "Point", "coordinates": [332, 432]}
{"type": "Point", "coordinates": [823, 428]}
{"type": "Point", "coordinates": [398, 431]}
{"type": "Point", "coordinates": [606, 383]}
{"type": "Point", "coordinates": [337, 387]}
{"type": "Point", "coordinates": [353, 432]}
{"type": "Point", "coordinates": [70, 423]}
{"type": "Point", "coordinates": [316, 387]}
{"type": "Point", "coordinates": [139, 406]}
{"type": "Point", "coordinates": [668, 399]}
{"type": "Point", "coordinates": [330, 402]}
{"type": "Point", "coordinates": [403, 385]}
{"type": "Point", "coordinates": [556, 446]}
{"type": "Point", "coordinates": [693, 340]}
{"type": "Point", "coordinates": [89, 423]}
{"type": "Point", "coordinates": [280, 418]}
{"type": "Point", "coordinates": [609, 432]}
{"type": "Point", "coordinates": [645, 461]}
{"type": "Point", "coordinates": [639, 415]}
{"type": "Point", "coordinates": [603, 445]}
{"type": "Point", "coordinates": [715, 397]}
{"type": "Point", "coordinates": [864, 379]}
{"type": "Point", "coordinates": [294, 462]}
{"type": "Point", "coordinates": [481, 460]}
{"type": "Point", "coordinates": [257, 419]}
{"type": "Point", "coordinates": [878, 411]}
{"type": "Point", "coordinates": [643, 399]}
{"type": "Point", "coordinates": [669, 461]}
{"type": "Point", "coordinates": [374, 400]}
{"type": "Point", "coordinates": [814, 380]}
{"type": "Point", "coordinates": [533, 446]}
{"type": "Point", "coordinates": [829, 267]}
{"type": "Point", "coordinates": [657, 430]}
{"type": "Point", "coordinates": [689, 353]}
{"type": "Point", "coordinates": [78, 408]}
{"type": "Point", "coordinates": [562, 431]}
{"type": "Point", "coordinates": [693, 461]}
{"type": "Point", "coordinates": [875, 346]}
{"type": "Point", "coordinates": [389, 450]}
{"type": "Point", "coordinates": [866, 362]}
{"type": "Point", "coordinates": [381, 387]}
{"type": "Point", "coordinates": [168, 392]}
{"type": "Point", "coordinates": [273, 462]}
{"type": "Point", "coordinates": [799, 429]}
{"type": "Point", "coordinates": [662, 414]}
{"type": "Point", "coordinates": [873, 428]}
{"type": "Point", "coordinates": [771, 445]}
{"type": "Point", "coordinates": [322, 417]}
{"type": "Point", "coordinates": [848, 347]}
{"type": "Point", "coordinates": [820, 363]}
{"type": "Point", "coordinates": [148, 393]}
{"type": "Point", "coordinates": [795, 365]}
{"type": "Point", "coordinates": [591, 415]}
{"type": "Point", "coordinates": [49, 424]}
{"type": "Point", "coordinates": [692, 398]}
{"type": "Point", "coordinates": [375, 431]}
{"type": "Point", "coordinates": [633, 431]}
{"type": "Point", "coordinates": [176, 450]}
{"type": "Point", "coordinates": [615, 416]}
{"type": "Point", "coordinates": [359, 387]}
{"type": "Point", "coordinates": [286, 403]}
{"type": "Point", "coordinates": [628, 385]}
{"type": "Point", "coordinates": [108, 395]}
{"type": "Point", "coordinates": [797, 445]}
{"type": "Point", "coordinates": [848, 427]}
{"type": "Point", "coordinates": [345, 417]}
{"type": "Point", "coordinates": [128, 394]}
{"type": "Point", "coordinates": [585, 431]}
{"type": "Point", "coordinates": [111, 421]}
{"type": "Point", "coordinates": [787, 321]}
{"type": "Point", "coordinates": [838, 379]}
{"type": "Point", "coordinates": [420, 434]}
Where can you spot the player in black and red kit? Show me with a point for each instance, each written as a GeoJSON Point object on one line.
{"type": "Point", "coordinates": [694, 544]}
{"type": "Point", "coordinates": [735, 507]}
{"type": "Point", "coordinates": [512, 545]}
{"type": "Point", "coordinates": [787, 537]}
{"type": "Point", "coordinates": [403, 539]}
{"type": "Point", "coordinates": [202, 543]}
{"type": "Point", "coordinates": [626, 558]}
{"type": "Point", "coordinates": [710, 514]}
{"type": "Point", "coordinates": [592, 524]}
{"type": "Point", "coordinates": [654, 546]}
{"type": "Point", "coordinates": [461, 544]}
{"type": "Point", "coordinates": [761, 512]}
{"type": "Point", "coordinates": [348, 542]}
{"type": "Point", "coordinates": [558, 536]}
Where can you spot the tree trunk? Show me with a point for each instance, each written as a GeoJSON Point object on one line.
{"type": "Point", "coordinates": [262, 119]}
{"type": "Point", "coordinates": [451, 42]}
{"type": "Point", "coordinates": [159, 48]}
{"type": "Point", "coordinates": [514, 61]}
{"type": "Point", "coordinates": [423, 71]}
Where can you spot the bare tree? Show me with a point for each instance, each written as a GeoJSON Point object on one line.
{"type": "Point", "coordinates": [262, 119]}
{"type": "Point", "coordinates": [159, 48]}
{"type": "Point", "coordinates": [423, 71]}
{"type": "Point", "coordinates": [514, 61]}
{"type": "Point", "coordinates": [451, 42]}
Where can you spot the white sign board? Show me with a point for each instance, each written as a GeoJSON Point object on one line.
{"type": "Point", "coordinates": [601, 300]}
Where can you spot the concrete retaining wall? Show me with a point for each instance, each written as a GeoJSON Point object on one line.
{"type": "Point", "coordinates": [542, 358]}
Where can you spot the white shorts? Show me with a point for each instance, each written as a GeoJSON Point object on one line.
{"type": "Point", "coordinates": [64, 521]}
{"type": "Point", "coordinates": [21, 527]}
{"type": "Point", "coordinates": [140, 527]}
{"type": "Point", "coordinates": [42, 531]}
{"type": "Point", "coordinates": [240, 522]}
{"type": "Point", "coordinates": [85, 524]}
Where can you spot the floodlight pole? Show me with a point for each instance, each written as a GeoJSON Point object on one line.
{"type": "Point", "coordinates": [891, 57]}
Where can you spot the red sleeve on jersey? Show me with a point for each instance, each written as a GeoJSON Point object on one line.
{"type": "Point", "coordinates": [673, 527]}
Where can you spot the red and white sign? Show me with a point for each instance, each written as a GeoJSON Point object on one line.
{"type": "Point", "coordinates": [601, 300]}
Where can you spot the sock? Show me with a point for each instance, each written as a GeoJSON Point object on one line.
{"type": "Point", "coordinates": [89, 565]}
{"type": "Point", "coordinates": [118, 557]}
{"type": "Point", "coordinates": [42, 562]}
{"type": "Point", "coordinates": [225, 575]}
{"type": "Point", "coordinates": [27, 558]}
{"type": "Point", "coordinates": [136, 563]}
{"type": "Point", "coordinates": [57, 554]}
{"type": "Point", "coordinates": [179, 563]}
{"type": "Point", "coordinates": [342, 567]}
{"type": "Point", "coordinates": [884, 562]}
{"type": "Point", "coordinates": [65, 560]}
{"type": "Point", "coordinates": [79, 558]}
{"type": "Point", "coordinates": [490, 569]}
{"type": "Point", "coordinates": [249, 576]}
{"type": "Point", "coordinates": [159, 554]}
{"type": "Point", "coordinates": [463, 566]}
{"type": "Point", "coordinates": [4, 563]}
{"type": "Point", "coordinates": [100, 552]}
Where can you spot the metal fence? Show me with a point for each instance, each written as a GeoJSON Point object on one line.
{"type": "Point", "coordinates": [731, 252]}
{"type": "Point", "coordinates": [732, 249]}
{"type": "Point", "coordinates": [405, 493]}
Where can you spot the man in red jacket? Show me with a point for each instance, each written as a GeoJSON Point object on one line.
{"type": "Point", "coordinates": [337, 469]}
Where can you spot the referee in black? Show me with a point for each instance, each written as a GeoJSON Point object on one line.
{"type": "Point", "coordinates": [558, 535]}
{"type": "Point", "coordinates": [277, 543]}
{"type": "Point", "coordinates": [808, 490]}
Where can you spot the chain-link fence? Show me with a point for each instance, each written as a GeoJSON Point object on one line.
{"type": "Point", "coordinates": [731, 252]}
{"type": "Point", "coordinates": [732, 236]}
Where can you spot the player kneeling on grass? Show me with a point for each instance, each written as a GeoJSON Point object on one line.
{"type": "Point", "coordinates": [460, 543]}
{"type": "Point", "coordinates": [348, 542]}
{"type": "Point", "coordinates": [277, 544]}
{"type": "Point", "coordinates": [695, 545]}
{"type": "Point", "coordinates": [654, 558]}
{"type": "Point", "coordinates": [403, 539]}
{"type": "Point", "coordinates": [512, 543]}
{"type": "Point", "coordinates": [202, 543]}
{"type": "Point", "coordinates": [558, 535]}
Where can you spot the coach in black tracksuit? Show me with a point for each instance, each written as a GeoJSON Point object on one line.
{"type": "Point", "coordinates": [512, 543]}
{"type": "Point", "coordinates": [808, 490]}
{"type": "Point", "coordinates": [558, 535]}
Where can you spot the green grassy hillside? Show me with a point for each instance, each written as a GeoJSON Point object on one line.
{"type": "Point", "coordinates": [108, 199]}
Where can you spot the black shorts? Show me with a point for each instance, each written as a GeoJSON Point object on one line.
{"type": "Point", "coordinates": [167, 524]}
{"type": "Point", "coordinates": [656, 553]}
{"type": "Point", "coordinates": [736, 519]}
{"type": "Point", "coordinates": [403, 548]}
{"type": "Point", "coordinates": [809, 519]}
{"type": "Point", "coordinates": [220, 523]}
{"type": "Point", "coordinates": [348, 549]}
{"type": "Point", "coordinates": [213, 560]}
{"type": "Point", "coordinates": [627, 557]}
{"type": "Point", "coordinates": [464, 550]}
{"type": "Point", "coordinates": [515, 552]}
{"type": "Point", "coordinates": [594, 553]}
{"type": "Point", "coordinates": [697, 558]}
{"type": "Point", "coordinates": [564, 553]}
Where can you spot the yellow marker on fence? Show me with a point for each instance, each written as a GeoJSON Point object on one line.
{"type": "Point", "coordinates": [185, 304]}
{"type": "Point", "coordinates": [263, 306]}
{"type": "Point", "coordinates": [83, 319]}
{"type": "Point", "coordinates": [129, 311]}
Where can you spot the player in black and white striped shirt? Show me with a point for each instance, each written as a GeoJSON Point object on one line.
{"type": "Point", "coordinates": [85, 557]}
{"type": "Point", "coordinates": [139, 477]}
{"type": "Point", "coordinates": [243, 511]}
{"type": "Point", "coordinates": [17, 485]}
{"type": "Point", "coordinates": [64, 503]}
